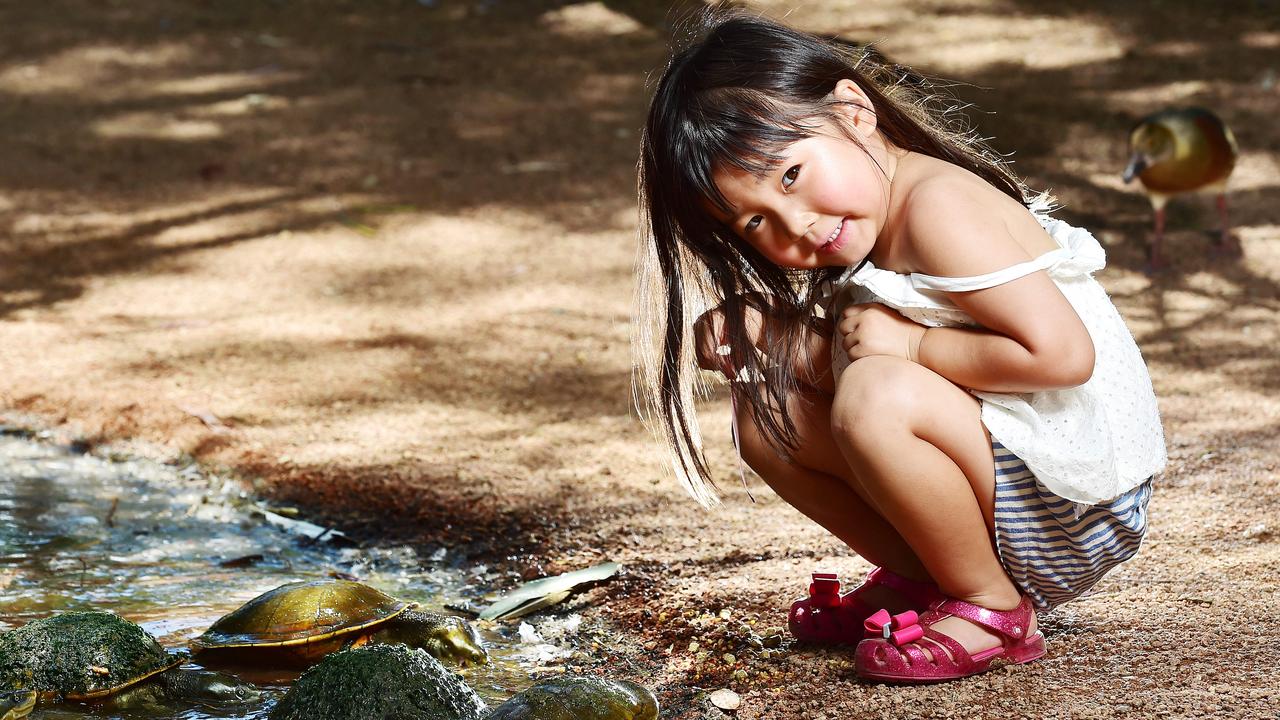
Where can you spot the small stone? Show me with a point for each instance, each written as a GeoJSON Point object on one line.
{"type": "Point", "coordinates": [1257, 532]}
{"type": "Point", "coordinates": [726, 699]}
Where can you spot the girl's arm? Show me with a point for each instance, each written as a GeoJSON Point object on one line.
{"type": "Point", "coordinates": [1032, 337]}
{"type": "Point", "coordinates": [812, 367]}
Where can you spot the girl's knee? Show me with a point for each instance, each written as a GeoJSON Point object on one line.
{"type": "Point", "coordinates": [873, 395]}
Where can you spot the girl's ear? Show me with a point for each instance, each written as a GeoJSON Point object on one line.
{"type": "Point", "coordinates": [857, 108]}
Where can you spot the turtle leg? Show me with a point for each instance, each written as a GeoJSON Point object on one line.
{"type": "Point", "coordinates": [1228, 246]}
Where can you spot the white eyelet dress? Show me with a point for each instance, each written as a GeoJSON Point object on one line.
{"type": "Point", "coordinates": [1073, 466]}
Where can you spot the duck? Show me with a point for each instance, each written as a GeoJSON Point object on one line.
{"type": "Point", "coordinates": [1183, 150]}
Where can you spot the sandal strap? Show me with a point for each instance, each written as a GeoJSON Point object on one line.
{"type": "Point", "coordinates": [956, 656]}
{"type": "Point", "coordinates": [918, 592]}
{"type": "Point", "coordinates": [1011, 624]}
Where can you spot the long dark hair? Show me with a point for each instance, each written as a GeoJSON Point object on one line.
{"type": "Point", "coordinates": [736, 98]}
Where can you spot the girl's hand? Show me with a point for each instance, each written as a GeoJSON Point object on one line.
{"type": "Point", "coordinates": [711, 340]}
{"type": "Point", "coordinates": [873, 329]}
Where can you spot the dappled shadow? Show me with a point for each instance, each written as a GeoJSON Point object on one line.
{"type": "Point", "coordinates": [146, 105]}
{"type": "Point", "coordinates": [1066, 127]}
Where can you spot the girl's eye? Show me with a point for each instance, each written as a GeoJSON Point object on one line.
{"type": "Point", "coordinates": [789, 177]}
{"type": "Point", "coordinates": [753, 223]}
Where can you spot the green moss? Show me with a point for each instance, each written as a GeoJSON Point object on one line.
{"type": "Point", "coordinates": [580, 698]}
{"type": "Point", "coordinates": [379, 682]}
{"type": "Point", "coordinates": [78, 653]}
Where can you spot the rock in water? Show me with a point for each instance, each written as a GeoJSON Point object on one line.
{"type": "Point", "coordinates": [580, 698]}
{"type": "Point", "coordinates": [379, 682]}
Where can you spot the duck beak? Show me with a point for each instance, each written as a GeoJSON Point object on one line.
{"type": "Point", "coordinates": [1137, 164]}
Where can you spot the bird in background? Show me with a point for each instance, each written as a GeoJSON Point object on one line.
{"type": "Point", "coordinates": [1183, 150]}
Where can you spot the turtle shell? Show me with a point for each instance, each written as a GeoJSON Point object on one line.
{"type": "Point", "coordinates": [80, 656]}
{"type": "Point", "coordinates": [301, 613]}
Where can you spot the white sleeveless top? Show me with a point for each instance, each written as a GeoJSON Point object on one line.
{"type": "Point", "coordinates": [1088, 444]}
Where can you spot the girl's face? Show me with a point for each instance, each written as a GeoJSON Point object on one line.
{"type": "Point", "coordinates": [824, 205]}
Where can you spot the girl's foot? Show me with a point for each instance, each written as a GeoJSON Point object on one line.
{"type": "Point", "coordinates": [955, 639]}
{"type": "Point", "coordinates": [976, 638]}
{"type": "Point", "coordinates": [826, 617]}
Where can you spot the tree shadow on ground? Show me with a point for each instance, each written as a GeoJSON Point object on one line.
{"type": "Point", "coordinates": [125, 109]}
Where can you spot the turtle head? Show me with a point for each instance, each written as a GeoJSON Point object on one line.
{"type": "Point", "coordinates": [210, 688]}
{"type": "Point", "coordinates": [455, 639]}
{"type": "Point", "coordinates": [444, 637]}
{"type": "Point", "coordinates": [16, 704]}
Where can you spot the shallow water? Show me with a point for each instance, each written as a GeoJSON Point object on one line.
{"type": "Point", "coordinates": [163, 546]}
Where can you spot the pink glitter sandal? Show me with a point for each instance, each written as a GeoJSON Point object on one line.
{"type": "Point", "coordinates": [894, 648]}
{"type": "Point", "coordinates": [826, 617]}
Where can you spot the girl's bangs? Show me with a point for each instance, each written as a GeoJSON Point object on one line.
{"type": "Point", "coordinates": [737, 130]}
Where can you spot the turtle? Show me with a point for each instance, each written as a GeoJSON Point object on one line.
{"type": "Point", "coordinates": [306, 620]}
{"type": "Point", "coordinates": [91, 655]}
{"type": "Point", "coordinates": [15, 704]}
{"type": "Point", "coordinates": [391, 681]}
{"type": "Point", "coordinates": [580, 698]}
{"type": "Point", "coordinates": [80, 656]}
{"type": "Point", "coordinates": [200, 687]}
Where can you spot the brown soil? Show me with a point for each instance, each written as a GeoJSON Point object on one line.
{"type": "Point", "coordinates": [377, 257]}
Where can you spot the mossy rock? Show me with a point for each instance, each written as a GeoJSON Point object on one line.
{"type": "Point", "coordinates": [80, 655]}
{"type": "Point", "coordinates": [580, 698]}
{"type": "Point", "coordinates": [380, 682]}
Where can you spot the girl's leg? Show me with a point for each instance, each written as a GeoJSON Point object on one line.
{"type": "Point", "coordinates": [818, 482]}
{"type": "Point", "coordinates": [916, 443]}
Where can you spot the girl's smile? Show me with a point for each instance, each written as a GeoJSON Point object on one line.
{"type": "Point", "coordinates": [835, 241]}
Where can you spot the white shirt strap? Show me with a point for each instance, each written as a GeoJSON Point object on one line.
{"type": "Point", "coordinates": [991, 279]}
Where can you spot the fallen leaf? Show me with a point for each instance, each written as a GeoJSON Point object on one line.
{"type": "Point", "coordinates": [538, 592]}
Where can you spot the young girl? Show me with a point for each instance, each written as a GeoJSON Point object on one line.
{"type": "Point", "coordinates": [923, 365]}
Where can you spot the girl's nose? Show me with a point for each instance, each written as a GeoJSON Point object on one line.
{"type": "Point", "coordinates": [798, 225]}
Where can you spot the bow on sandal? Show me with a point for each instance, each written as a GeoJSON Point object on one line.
{"type": "Point", "coordinates": [826, 617]}
{"type": "Point", "coordinates": [894, 647]}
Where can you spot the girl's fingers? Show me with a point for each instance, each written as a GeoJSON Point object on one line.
{"type": "Point", "coordinates": [725, 362]}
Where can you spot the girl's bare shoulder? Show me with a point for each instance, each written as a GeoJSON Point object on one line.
{"type": "Point", "coordinates": [955, 224]}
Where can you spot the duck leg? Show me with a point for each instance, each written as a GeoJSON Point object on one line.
{"type": "Point", "coordinates": [1155, 258]}
{"type": "Point", "coordinates": [1228, 246]}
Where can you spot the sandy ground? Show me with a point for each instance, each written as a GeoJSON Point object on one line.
{"type": "Point", "coordinates": [376, 257]}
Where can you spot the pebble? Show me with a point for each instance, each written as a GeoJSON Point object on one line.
{"type": "Point", "coordinates": [726, 699]}
{"type": "Point", "coordinates": [1257, 532]}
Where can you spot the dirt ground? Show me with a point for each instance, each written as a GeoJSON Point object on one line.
{"type": "Point", "coordinates": [376, 257]}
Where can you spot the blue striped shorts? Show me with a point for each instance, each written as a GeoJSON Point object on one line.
{"type": "Point", "coordinates": [1053, 548]}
